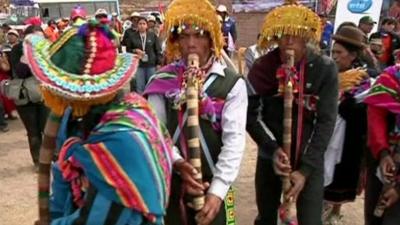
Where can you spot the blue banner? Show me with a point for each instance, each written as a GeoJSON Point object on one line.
{"type": "Point", "coordinates": [23, 2]}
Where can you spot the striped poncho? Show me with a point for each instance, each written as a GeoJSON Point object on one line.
{"type": "Point", "coordinates": [126, 159]}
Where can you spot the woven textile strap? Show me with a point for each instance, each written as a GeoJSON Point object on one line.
{"type": "Point", "coordinates": [45, 159]}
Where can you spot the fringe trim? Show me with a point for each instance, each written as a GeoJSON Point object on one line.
{"type": "Point", "coordinates": [295, 20]}
{"type": "Point", "coordinates": [200, 13]}
{"type": "Point", "coordinates": [58, 104]}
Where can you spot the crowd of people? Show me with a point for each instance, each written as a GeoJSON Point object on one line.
{"type": "Point", "coordinates": [322, 107]}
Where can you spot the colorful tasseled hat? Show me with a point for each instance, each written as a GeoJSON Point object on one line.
{"type": "Point", "coordinates": [290, 19]}
{"type": "Point", "coordinates": [81, 69]}
{"type": "Point", "coordinates": [200, 15]}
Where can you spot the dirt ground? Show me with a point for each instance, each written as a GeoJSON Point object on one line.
{"type": "Point", "coordinates": [18, 184]}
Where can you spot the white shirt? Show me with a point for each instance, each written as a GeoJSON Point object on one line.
{"type": "Point", "coordinates": [233, 124]}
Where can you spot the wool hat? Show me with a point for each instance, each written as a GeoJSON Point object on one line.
{"type": "Point", "coordinates": [151, 18]}
{"type": "Point", "coordinates": [101, 12]}
{"type": "Point", "coordinates": [78, 12]}
{"type": "Point", "coordinates": [81, 69]}
{"type": "Point", "coordinates": [36, 21]}
{"type": "Point", "coordinates": [201, 16]}
{"type": "Point", "coordinates": [350, 35]}
{"type": "Point", "coordinates": [290, 19]}
{"type": "Point", "coordinates": [13, 32]}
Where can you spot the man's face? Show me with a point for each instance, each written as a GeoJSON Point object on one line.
{"type": "Point", "coordinates": [388, 27]}
{"type": "Point", "coordinates": [142, 26]}
{"type": "Point", "coordinates": [151, 24]}
{"type": "Point", "coordinates": [12, 39]}
{"type": "Point", "coordinates": [101, 17]}
{"type": "Point", "coordinates": [222, 14]}
{"type": "Point", "coordinates": [377, 49]}
{"type": "Point", "coordinates": [366, 27]}
{"type": "Point", "coordinates": [135, 21]}
{"type": "Point", "coordinates": [192, 41]}
{"type": "Point", "coordinates": [297, 44]}
{"type": "Point", "coordinates": [323, 20]}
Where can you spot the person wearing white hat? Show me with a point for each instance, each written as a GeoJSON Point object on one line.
{"type": "Point", "coordinates": [228, 29]}
{"type": "Point", "coordinates": [134, 19]}
{"type": "Point", "coordinates": [151, 25]}
{"type": "Point", "coordinates": [101, 15]}
{"type": "Point", "coordinates": [135, 14]}
{"type": "Point", "coordinates": [12, 37]}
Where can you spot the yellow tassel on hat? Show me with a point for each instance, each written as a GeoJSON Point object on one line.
{"type": "Point", "coordinates": [199, 13]}
{"type": "Point", "coordinates": [290, 19]}
{"type": "Point", "coordinates": [58, 104]}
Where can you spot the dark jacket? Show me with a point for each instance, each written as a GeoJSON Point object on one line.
{"type": "Point", "coordinates": [153, 47]}
{"type": "Point", "coordinates": [229, 26]}
{"type": "Point", "coordinates": [19, 69]}
{"type": "Point", "coordinates": [395, 43]}
{"type": "Point", "coordinates": [127, 34]}
{"type": "Point", "coordinates": [265, 112]}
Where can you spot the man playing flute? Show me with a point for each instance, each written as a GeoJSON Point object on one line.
{"type": "Point", "coordinates": [193, 27]}
{"type": "Point", "coordinates": [315, 88]}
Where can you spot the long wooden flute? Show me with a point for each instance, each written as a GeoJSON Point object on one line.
{"type": "Point", "coordinates": [288, 208]}
{"type": "Point", "coordinates": [192, 104]}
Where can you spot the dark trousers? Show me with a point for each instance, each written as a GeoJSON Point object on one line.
{"type": "Point", "coordinates": [3, 122]}
{"type": "Point", "coordinates": [372, 192]}
{"type": "Point", "coordinates": [34, 116]}
{"type": "Point", "coordinates": [268, 195]}
{"type": "Point", "coordinates": [142, 77]}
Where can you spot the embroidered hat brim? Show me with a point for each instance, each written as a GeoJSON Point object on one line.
{"type": "Point", "coordinates": [76, 87]}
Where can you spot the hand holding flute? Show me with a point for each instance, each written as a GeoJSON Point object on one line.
{"type": "Point", "coordinates": [389, 166]}
{"type": "Point", "coordinates": [291, 182]}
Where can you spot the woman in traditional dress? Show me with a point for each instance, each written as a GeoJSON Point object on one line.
{"type": "Point", "coordinates": [354, 82]}
{"type": "Point", "coordinates": [114, 162]}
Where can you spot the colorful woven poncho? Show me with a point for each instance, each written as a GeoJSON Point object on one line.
{"type": "Point", "coordinates": [127, 158]}
{"type": "Point", "coordinates": [169, 83]}
{"type": "Point", "coordinates": [386, 91]}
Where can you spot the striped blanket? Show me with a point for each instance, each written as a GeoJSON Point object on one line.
{"type": "Point", "coordinates": [125, 162]}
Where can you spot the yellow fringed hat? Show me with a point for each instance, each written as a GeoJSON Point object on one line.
{"type": "Point", "coordinates": [290, 19]}
{"type": "Point", "coordinates": [201, 15]}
